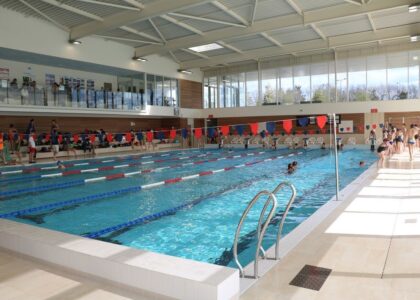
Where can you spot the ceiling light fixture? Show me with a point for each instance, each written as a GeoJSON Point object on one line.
{"type": "Point", "coordinates": [138, 58]}
{"type": "Point", "coordinates": [183, 71]}
{"type": "Point", "coordinates": [414, 8]}
{"type": "Point", "coordinates": [415, 58]}
{"type": "Point", "coordinates": [205, 48]}
{"type": "Point", "coordinates": [415, 38]}
{"type": "Point", "coordinates": [75, 42]}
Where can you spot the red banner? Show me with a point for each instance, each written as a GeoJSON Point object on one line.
{"type": "Point", "coordinates": [254, 128]}
{"type": "Point", "coordinates": [172, 134]}
{"type": "Point", "coordinates": [287, 125]}
{"type": "Point", "coordinates": [321, 121]}
{"type": "Point", "coordinates": [149, 136]}
{"type": "Point", "coordinates": [128, 137]}
{"type": "Point", "coordinates": [198, 133]}
{"type": "Point", "coordinates": [224, 130]}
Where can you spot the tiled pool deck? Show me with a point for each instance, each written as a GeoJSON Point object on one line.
{"type": "Point", "coordinates": [371, 242]}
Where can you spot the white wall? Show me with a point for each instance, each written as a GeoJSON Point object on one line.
{"type": "Point", "coordinates": [38, 36]}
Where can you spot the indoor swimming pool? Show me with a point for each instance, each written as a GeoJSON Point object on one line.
{"type": "Point", "coordinates": [181, 203]}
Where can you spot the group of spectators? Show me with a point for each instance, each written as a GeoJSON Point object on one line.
{"type": "Point", "coordinates": [56, 140]}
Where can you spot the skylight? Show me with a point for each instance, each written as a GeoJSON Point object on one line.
{"type": "Point", "coordinates": [204, 48]}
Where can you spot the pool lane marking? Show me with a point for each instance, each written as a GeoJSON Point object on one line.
{"type": "Point", "coordinates": [102, 178]}
{"type": "Point", "coordinates": [105, 168]}
{"type": "Point", "coordinates": [108, 168]}
{"type": "Point", "coordinates": [130, 157]}
{"type": "Point", "coordinates": [121, 191]}
{"type": "Point", "coordinates": [116, 176]}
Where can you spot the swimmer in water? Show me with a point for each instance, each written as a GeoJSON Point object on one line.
{"type": "Point", "coordinates": [60, 165]}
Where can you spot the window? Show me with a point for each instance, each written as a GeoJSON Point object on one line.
{"type": "Point", "coordinates": [159, 90]}
{"type": "Point", "coordinates": [302, 83]}
{"type": "Point", "coordinates": [319, 82]}
{"type": "Point", "coordinates": [151, 89]}
{"type": "Point", "coordinates": [413, 75]}
{"type": "Point", "coordinates": [286, 85]}
{"type": "Point", "coordinates": [398, 76]}
{"type": "Point", "coordinates": [357, 79]}
{"type": "Point", "coordinates": [269, 89]}
{"type": "Point", "coordinates": [252, 88]}
{"type": "Point", "coordinates": [341, 81]}
{"type": "Point", "coordinates": [376, 78]}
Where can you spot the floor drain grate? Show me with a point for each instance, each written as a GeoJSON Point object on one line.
{"type": "Point", "coordinates": [311, 277]}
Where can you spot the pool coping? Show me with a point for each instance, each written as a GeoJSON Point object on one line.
{"type": "Point", "coordinates": [151, 272]}
{"type": "Point", "coordinates": [293, 238]}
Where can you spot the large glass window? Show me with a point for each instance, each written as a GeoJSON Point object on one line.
{"type": "Point", "coordinates": [319, 82]}
{"type": "Point", "coordinates": [398, 76]}
{"type": "Point", "coordinates": [151, 90]}
{"type": "Point", "coordinates": [285, 86]}
{"type": "Point", "coordinates": [376, 78]}
{"type": "Point", "coordinates": [269, 89]}
{"type": "Point", "coordinates": [413, 75]}
{"type": "Point", "coordinates": [302, 83]}
{"type": "Point", "coordinates": [357, 79]}
{"type": "Point", "coordinates": [159, 90]}
{"type": "Point", "coordinates": [252, 88]}
{"type": "Point", "coordinates": [341, 81]}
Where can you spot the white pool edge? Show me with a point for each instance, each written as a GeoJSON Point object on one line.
{"type": "Point", "coordinates": [293, 238]}
{"type": "Point", "coordinates": [147, 271]}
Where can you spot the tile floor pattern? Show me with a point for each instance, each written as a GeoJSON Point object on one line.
{"type": "Point", "coordinates": [371, 243]}
{"type": "Point", "coordinates": [24, 279]}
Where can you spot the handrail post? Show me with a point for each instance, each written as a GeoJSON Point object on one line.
{"type": "Point", "coordinates": [260, 230]}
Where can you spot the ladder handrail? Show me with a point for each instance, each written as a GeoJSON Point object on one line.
{"type": "Point", "coordinates": [286, 211]}
{"type": "Point", "coordinates": [260, 229]}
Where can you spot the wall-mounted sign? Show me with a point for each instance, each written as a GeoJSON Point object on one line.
{"type": "Point", "coordinates": [4, 73]}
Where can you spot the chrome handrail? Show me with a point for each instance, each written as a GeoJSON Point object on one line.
{"type": "Point", "coordinates": [286, 211]}
{"type": "Point", "coordinates": [261, 229]}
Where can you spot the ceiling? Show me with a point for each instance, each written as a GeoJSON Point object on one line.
{"type": "Point", "coordinates": [246, 29]}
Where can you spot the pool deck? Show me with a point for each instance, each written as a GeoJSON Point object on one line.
{"type": "Point", "coordinates": [371, 243]}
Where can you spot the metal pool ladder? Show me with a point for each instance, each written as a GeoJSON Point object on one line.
{"type": "Point", "coordinates": [263, 225]}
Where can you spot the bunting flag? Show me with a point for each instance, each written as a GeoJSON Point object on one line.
{"type": "Point", "coordinates": [149, 136]}
{"type": "Point", "coordinates": [321, 121]}
{"type": "Point", "coordinates": [140, 136]}
{"type": "Point", "coordinates": [198, 133]}
{"type": "Point", "coordinates": [92, 138]}
{"type": "Point", "coordinates": [75, 138]}
{"type": "Point", "coordinates": [118, 137]}
{"type": "Point", "coordinates": [374, 126]}
{"type": "Point", "coordinates": [287, 126]}
{"type": "Point", "coordinates": [47, 137]}
{"type": "Point", "coordinates": [60, 138]}
{"type": "Point", "coordinates": [225, 130]}
{"type": "Point", "coordinates": [262, 133]}
{"type": "Point", "coordinates": [240, 129]}
{"type": "Point", "coordinates": [254, 128]}
{"type": "Point", "coordinates": [367, 127]}
{"type": "Point", "coordinates": [381, 125]}
{"type": "Point", "coordinates": [304, 121]}
{"type": "Point", "coordinates": [210, 132]}
{"type": "Point", "coordinates": [184, 133]}
{"type": "Point", "coordinates": [160, 135]}
{"type": "Point", "coordinates": [109, 137]}
{"type": "Point", "coordinates": [271, 126]}
{"type": "Point", "coordinates": [128, 137]}
{"type": "Point", "coordinates": [172, 134]}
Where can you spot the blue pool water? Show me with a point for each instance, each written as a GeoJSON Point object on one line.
{"type": "Point", "coordinates": [194, 219]}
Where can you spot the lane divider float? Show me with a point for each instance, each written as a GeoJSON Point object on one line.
{"type": "Point", "coordinates": [130, 189]}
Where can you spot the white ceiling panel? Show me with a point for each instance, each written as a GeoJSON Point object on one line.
{"type": "Point", "coordinates": [294, 35]}
{"type": "Point", "coordinates": [272, 8]}
{"type": "Point", "coordinates": [345, 26]}
{"type": "Point", "coordinates": [251, 42]}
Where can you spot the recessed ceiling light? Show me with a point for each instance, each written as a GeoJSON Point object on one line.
{"type": "Point", "coordinates": [139, 58]}
{"type": "Point", "coordinates": [414, 8]}
{"type": "Point", "coordinates": [415, 38]}
{"type": "Point", "coordinates": [183, 71]}
{"type": "Point", "coordinates": [75, 42]}
{"type": "Point", "coordinates": [205, 48]}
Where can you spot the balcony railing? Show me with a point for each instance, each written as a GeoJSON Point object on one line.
{"type": "Point", "coordinates": [80, 98]}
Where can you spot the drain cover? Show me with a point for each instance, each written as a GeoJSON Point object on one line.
{"type": "Point", "coordinates": [311, 277]}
